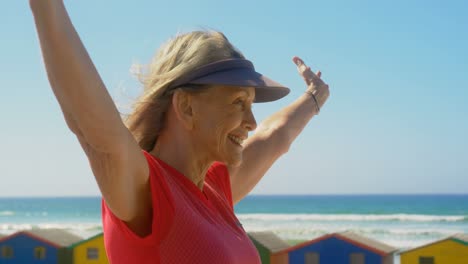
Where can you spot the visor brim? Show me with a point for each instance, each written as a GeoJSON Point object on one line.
{"type": "Point", "coordinates": [235, 72]}
{"type": "Point", "coordinates": [266, 90]}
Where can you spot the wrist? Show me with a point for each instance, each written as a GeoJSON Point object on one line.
{"type": "Point", "coordinates": [46, 7]}
{"type": "Point", "coordinates": [310, 93]}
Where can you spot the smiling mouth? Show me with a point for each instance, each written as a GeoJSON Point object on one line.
{"type": "Point", "coordinates": [236, 140]}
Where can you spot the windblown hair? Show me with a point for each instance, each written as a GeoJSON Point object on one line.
{"type": "Point", "coordinates": [175, 58]}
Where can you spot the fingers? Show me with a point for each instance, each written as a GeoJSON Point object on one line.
{"type": "Point", "coordinates": [307, 74]}
{"type": "Point", "coordinates": [313, 80]}
{"type": "Point", "coordinates": [297, 61]}
{"type": "Point", "coordinates": [315, 85]}
{"type": "Point", "coordinates": [300, 65]}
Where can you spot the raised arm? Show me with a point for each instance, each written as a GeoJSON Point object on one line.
{"type": "Point", "coordinates": [117, 162]}
{"type": "Point", "coordinates": [275, 135]}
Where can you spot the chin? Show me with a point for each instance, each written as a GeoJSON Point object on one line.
{"type": "Point", "coordinates": [233, 161]}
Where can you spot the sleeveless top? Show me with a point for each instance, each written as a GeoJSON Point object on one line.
{"type": "Point", "coordinates": [189, 225]}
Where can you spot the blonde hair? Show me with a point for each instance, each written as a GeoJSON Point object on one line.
{"type": "Point", "coordinates": [175, 58]}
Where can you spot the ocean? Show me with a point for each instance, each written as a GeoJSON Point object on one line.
{"type": "Point", "coordinates": [402, 221]}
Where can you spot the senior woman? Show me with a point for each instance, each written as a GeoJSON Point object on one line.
{"type": "Point", "coordinates": [171, 173]}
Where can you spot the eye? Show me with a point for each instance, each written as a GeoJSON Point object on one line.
{"type": "Point", "coordinates": [240, 102]}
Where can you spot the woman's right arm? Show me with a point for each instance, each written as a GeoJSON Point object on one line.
{"type": "Point", "coordinates": [117, 162]}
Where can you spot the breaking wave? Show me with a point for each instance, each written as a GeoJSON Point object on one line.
{"type": "Point", "coordinates": [353, 217]}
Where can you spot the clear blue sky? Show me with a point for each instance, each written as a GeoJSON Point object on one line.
{"type": "Point", "coordinates": [396, 120]}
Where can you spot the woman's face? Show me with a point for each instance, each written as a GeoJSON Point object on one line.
{"type": "Point", "coordinates": [222, 119]}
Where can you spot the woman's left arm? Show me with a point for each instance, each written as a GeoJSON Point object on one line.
{"type": "Point", "coordinates": [275, 135]}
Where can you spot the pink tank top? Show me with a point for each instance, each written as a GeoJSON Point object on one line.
{"type": "Point", "coordinates": [189, 225]}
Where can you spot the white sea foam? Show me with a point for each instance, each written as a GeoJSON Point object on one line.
{"type": "Point", "coordinates": [352, 217]}
{"type": "Point", "coordinates": [82, 229]}
{"type": "Point", "coordinates": [399, 238]}
{"type": "Point", "coordinates": [399, 230]}
{"type": "Point", "coordinates": [384, 231]}
{"type": "Point", "coordinates": [7, 213]}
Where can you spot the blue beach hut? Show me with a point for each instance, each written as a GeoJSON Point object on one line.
{"type": "Point", "coordinates": [35, 246]}
{"type": "Point", "coordinates": [345, 247]}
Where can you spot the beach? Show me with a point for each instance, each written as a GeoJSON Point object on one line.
{"type": "Point", "coordinates": [402, 221]}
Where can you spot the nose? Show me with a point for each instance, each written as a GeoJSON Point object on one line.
{"type": "Point", "coordinates": [249, 120]}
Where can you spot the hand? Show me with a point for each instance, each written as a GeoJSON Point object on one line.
{"type": "Point", "coordinates": [315, 84]}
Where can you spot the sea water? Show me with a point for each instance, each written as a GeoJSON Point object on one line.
{"type": "Point", "coordinates": [401, 221]}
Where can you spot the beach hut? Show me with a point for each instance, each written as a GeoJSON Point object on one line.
{"type": "Point", "coordinates": [453, 250]}
{"type": "Point", "coordinates": [35, 246]}
{"type": "Point", "coordinates": [1, 253]}
{"type": "Point", "coordinates": [345, 247]}
{"type": "Point", "coordinates": [268, 244]}
{"type": "Point", "coordinates": [86, 251]}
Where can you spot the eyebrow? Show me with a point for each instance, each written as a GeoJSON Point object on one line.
{"type": "Point", "coordinates": [244, 91]}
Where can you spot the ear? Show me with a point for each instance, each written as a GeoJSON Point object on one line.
{"type": "Point", "coordinates": [182, 105]}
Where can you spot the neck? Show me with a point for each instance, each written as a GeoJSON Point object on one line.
{"type": "Point", "coordinates": [175, 150]}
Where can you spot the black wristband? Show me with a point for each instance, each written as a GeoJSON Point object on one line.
{"type": "Point", "coordinates": [315, 100]}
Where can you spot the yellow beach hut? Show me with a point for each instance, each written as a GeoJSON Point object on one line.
{"type": "Point", "coordinates": [87, 251]}
{"type": "Point", "coordinates": [450, 250]}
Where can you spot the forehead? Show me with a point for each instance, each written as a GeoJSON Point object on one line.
{"type": "Point", "coordinates": [234, 91]}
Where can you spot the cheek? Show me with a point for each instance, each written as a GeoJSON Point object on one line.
{"type": "Point", "coordinates": [210, 132]}
{"type": "Point", "coordinates": [214, 124]}
{"type": "Point", "coordinates": [219, 132]}
{"type": "Point", "coordinates": [219, 135]}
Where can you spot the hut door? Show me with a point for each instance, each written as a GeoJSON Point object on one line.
{"type": "Point", "coordinates": [92, 253]}
{"type": "Point", "coordinates": [312, 258]}
{"type": "Point", "coordinates": [7, 252]}
{"type": "Point", "coordinates": [426, 260]}
{"type": "Point", "coordinates": [356, 258]}
{"type": "Point", "coordinates": [40, 253]}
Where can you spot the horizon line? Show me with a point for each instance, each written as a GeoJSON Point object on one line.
{"type": "Point", "coordinates": [266, 194]}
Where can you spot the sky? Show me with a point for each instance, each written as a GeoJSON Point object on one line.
{"type": "Point", "coordinates": [396, 121]}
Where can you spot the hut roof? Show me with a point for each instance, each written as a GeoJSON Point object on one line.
{"type": "Point", "coordinates": [86, 240]}
{"type": "Point", "coordinates": [368, 242]}
{"type": "Point", "coordinates": [269, 240]}
{"type": "Point", "coordinates": [358, 240]}
{"type": "Point", "coordinates": [460, 238]}
{"type": "Point", "coordinates": [58, 237]}
{"type": "Point", "coordinates": [463, 238]}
